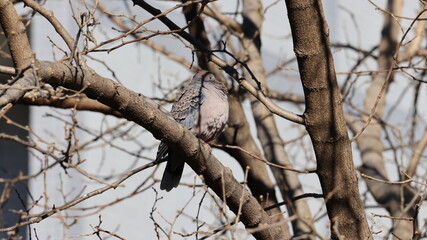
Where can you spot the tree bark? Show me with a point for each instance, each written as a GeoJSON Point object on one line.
{"type": "Point", "coordinates": [393, 197]}
{"type": "Point", "coordinates": [266, 126]}
{"type": "Point", "coordinates": [20, 50]}
{"type": "Point", "coordinates": [325, 120]}
{"type": "Point", "coordinates": [238, 132]}
{"type": "Point", "coordinates": [135, 107]}
{"type": "Point", "coordinates": [16, 35]}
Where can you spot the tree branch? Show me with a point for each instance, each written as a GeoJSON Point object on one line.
{"type": "Point", "coordinates": [416, 155]}
{"type": "Point", "coordinates": [230, 70]}
{"type": "Point", "coordinates": [79, 103]}
{"type": "Point", "coordinates": [7, 70]}
{"type": "Point", "coordinates": [370, 144]}
{"type": "Point", "coordinates": [20, 50]}
{"type": "Point", "coordinates": [267, 130]}
{"type": "Point", "coordinates": [15, 32]}
{"type": "Point", "coordinates": [135, 107]}
{"type": "Point", "coordinates": [48, 15]}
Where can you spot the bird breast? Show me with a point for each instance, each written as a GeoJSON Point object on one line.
{"type": "Point", "coordinates": [213, 114]}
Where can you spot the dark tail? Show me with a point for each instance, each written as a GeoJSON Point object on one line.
{"type": "Point", "coordinates": [172, 174]}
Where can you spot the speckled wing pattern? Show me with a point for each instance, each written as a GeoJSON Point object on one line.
{"type": "Point", "coordinates": [186, 109]}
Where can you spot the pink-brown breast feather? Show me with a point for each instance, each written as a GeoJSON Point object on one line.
{"type": "Point", "coordinates": [214, 112]}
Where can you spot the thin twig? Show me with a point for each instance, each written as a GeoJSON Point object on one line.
{"type": "Point", "coordinates": [260, 159]}
{"type": "Point", "coordinates": [387, 79]}
{"type": "Point", "coordinates": [55, 210]}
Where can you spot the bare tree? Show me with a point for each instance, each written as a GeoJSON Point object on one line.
{"type": "Point", "coordinates": [230, 45]}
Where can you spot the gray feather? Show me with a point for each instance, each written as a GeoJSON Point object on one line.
{"type": "Point", "coordinates": [202, 107]}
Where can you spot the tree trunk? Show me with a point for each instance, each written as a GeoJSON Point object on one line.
{"type": "Point", "coordinates": [393, 197]}
{"type": "Point", "coordinates": [238, 132]}
{"type": "Point", "coordinates": [266, 126]}
{"type": "Point", "coordinates": [325, 120]}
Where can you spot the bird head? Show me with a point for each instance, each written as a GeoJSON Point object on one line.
{"type": "Point", "coordinates": [204, 76]}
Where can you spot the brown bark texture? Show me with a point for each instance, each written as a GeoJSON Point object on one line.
{"type": "Point", "coordinates": [268, 134]}
{"type": "Point", "coordinates": [239, 134]}
{"type": "Point", "coordinates": [395, 198]}
{"type": "Point", "coordinates": [135, 107]}
{"type": "Point", "coordinates": [19, 46]}
{"type": "Point", "coordinates": [325, 122]}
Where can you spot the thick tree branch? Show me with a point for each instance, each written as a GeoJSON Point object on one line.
{"type": "Point", "coordinates": [230, 70]}
{"type": "Point", "coordinates": [238, 132]}
{"type": "Point", "coordinates": [12, 94]}
{"type": "Point", "coordinates": [7, 70]}
{"type": "Point", "coordinates": [78, 103]}
{"type": "Point", "coordinates": [370, 142]}
{"type": "Point", "coordinates": [20, 50]}
{"type": "Point", "coordinates": [416, 155]}
{"type": "Point", "coordinates": [135, 107]}
{"type": "Point", "coordinates": [413, 48]}
{"type": "Point", "coordinates": [230, 23]}
{"type": "Point", "coordinates": [16, 35]}
{"type": "Point", "coordinates": [266, 126]}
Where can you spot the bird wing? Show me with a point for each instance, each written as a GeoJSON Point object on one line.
{"type": "Point", "coordinates": [186, 109]}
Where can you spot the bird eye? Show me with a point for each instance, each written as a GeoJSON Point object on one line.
{"type": "Point", "coordinates": [210, 77]}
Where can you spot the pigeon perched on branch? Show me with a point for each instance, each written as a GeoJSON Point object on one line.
{"type": "Point", "coordinates": [202, 107]}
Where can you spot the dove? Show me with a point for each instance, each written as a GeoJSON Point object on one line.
{"type": "Point", "coordinates": [202, 107]}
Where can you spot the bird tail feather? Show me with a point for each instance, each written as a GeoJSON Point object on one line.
{"type": "Point", "coordinates": [172, 174]}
